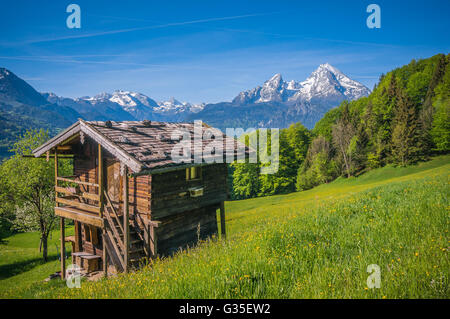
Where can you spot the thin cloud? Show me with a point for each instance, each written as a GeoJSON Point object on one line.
{"type": "Point", "coordinates": [96, 34]}
{"type": "Point", "coordinates": [64, 59]}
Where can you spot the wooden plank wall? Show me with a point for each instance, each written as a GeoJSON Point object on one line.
{"type": "Point", "coordinates": [185, 229]}
{"type": "Point", "coordinates": [94, 245]}
{"type": "Point", "coordinates": [139, 194]}
{"type": "Point", "coordinates": [185, 219]}
{"type": "Point", "coordinates": [85, 164]}
{"type": "Point", "coordinates": [170, 191]}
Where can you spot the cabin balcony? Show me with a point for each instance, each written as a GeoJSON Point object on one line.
{"type": "Point", "coordinates": [78, 200]}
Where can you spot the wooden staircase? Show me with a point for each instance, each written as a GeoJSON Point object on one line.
{"type": "Point", "coordinates": [123, 253]}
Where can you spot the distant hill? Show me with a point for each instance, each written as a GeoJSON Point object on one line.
{"type": "Point", "coordinates": [22, 108]}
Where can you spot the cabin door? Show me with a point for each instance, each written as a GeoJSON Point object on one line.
{"type": "Point", "coordinates": [114, 183]}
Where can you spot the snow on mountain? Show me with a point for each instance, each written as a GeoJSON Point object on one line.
{"type": "Point", "coordinates": [278, 103]}
{"type": "Point", "coordinates": [275, 102]}
{"type": "Point", "coordinates": [326, 82]}
{"type": "Point", "coordinates": [173, 106]}
{"type": "Point", "coordinates": [126, 105]}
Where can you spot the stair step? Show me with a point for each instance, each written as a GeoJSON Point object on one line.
{"type": "Point", "coordinates": [136, 250]}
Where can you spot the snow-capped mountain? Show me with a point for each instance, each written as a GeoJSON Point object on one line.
{"type": "Point", "coordinates": [126, 105]}
{"type": "Point", "coordinates": [278, 103]}
{"type": "Point", "coordinates": [174, 106]}
{"type": "Point", "coordinates": [326, 82]}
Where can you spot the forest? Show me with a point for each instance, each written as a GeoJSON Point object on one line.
{"type": "Point", "coordinates": [404, 120]}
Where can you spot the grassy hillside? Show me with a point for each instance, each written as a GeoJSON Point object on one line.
{"type": "Point", "coordinates": [312, 244]}
{"type": "Point", "coordinates": [21, 264]}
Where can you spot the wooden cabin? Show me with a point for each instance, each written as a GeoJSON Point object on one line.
{"type": "Point", "coordinates": [128, 198]}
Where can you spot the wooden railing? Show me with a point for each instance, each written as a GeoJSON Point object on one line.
{"type": "Point", "coordinates": [115, 231]}
{"type": "Point", "coordinates": [74, 196]}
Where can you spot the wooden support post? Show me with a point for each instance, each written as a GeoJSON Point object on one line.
{"type": "Point", "coordinates": [56, 174]}
{"type": "Point", "coordinates": [101, 196]}
{"type": "Point", "coordinates": [63, 250]}
{"type": "Point", "coordinates": [222, 220]}
{"type": "Point", "coordinates": [153, 241]}
{"type": "Point", "coordinates": [62, 228]}
{"type": "Point", "coordinates": [100, 180]}
{"type": "Point", "coordinates": [126, 219]}
{"type": "Point", "coordinates": [105, 254]}
{"type": "Point", "coordinates": [147, 239]}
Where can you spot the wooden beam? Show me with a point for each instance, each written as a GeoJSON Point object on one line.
{"type": "Point", "coordinates": [153, 240]}
{"type": "Point", "coordinates": [78, 216]}
{"type": "Point", "coordinates": [68, 156]}
{"type": "Point", "coordinates": [84, 195]}
{"type": "Point", "coordinates": [62, 228]}
{"type": "Point", "coordinates": [100, 180]}
{"type": "Point", "coordinates": [126, 220]}
{"type": "Point", "coordinates": [63, 249]}
{"type": "Point", "coordinates": [64, 148]}
{"type": "Point", "coordinates": [87, 207]}
{"type": "Point", "coordinates": [63, 179]}
{"type": "Point", "coordinates": [77, 236]}
{"type": "Point", "coordinates": [105, 254]}
{"type": "Point", "coordinates": [222, 220]}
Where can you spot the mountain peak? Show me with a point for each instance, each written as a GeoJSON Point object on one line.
{"type": "Point", "coordinates": [326, 82]}
{"type": "Point", "coordinates": [328, 67]}
{"type": "Point", "coordinates": [14, 88]}
{"type": "Point", "coordinates": [4, 72]}
{"type": "Point", "coordinates": [174, 101]}
{"type": "Point", "coordinates": [276, 77]}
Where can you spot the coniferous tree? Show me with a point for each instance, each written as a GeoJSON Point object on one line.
{"type": "Point", "coordinates": [405, 131]}
{"type": "Point", "coordinates": [427, 110]}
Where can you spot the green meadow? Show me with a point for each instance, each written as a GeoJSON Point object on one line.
{"type": "Point", "coordinates": [312, 244]}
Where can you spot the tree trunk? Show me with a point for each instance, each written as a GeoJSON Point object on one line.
{"type": "Point", "coordinates": [44, 248]}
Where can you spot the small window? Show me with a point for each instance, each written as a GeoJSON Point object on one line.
{"type": "Point", "coordinates": [193, 173]}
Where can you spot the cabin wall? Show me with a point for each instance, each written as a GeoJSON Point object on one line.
{"type": "Point", "coordinates": [86, 167]}
{"type": "Point", "coordinates": [184, 219]}
{"type": "Point", "coordinates": [139, 191]}
{"type": "Point", "coordinates": [85, 164]}
{"type": "Point", "coordinates": [170, 191]}
{"type": "Point", "coordinates": [186, 229]}
{"type": "Point", "coordinates": [91, 239]}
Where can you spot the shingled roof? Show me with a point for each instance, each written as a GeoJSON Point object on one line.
{"type": "Point", "coordinates": [144, 146]}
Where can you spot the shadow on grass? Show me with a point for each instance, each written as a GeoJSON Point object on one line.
{"type": "Point", "coordinates": [16, 268]}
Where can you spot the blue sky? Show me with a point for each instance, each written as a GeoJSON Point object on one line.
{"type": "Point", "coordinates": [209, 51]}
